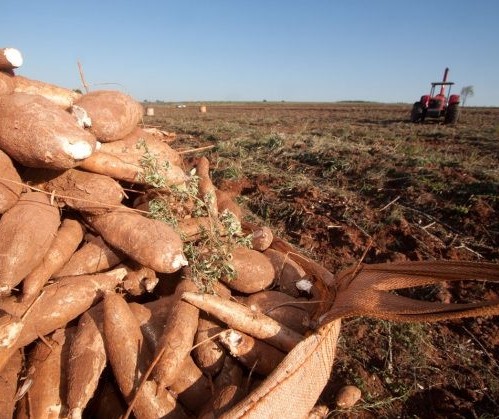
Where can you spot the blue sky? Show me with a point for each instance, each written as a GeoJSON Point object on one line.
{"type": "Point", "coordinates": [322, 50]}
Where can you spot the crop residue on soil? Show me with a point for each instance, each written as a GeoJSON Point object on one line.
{"type": "Point", "coordinates": [349, 180]}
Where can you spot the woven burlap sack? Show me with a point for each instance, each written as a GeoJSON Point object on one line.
{"type": "Point", "coordinates": [294, 387]}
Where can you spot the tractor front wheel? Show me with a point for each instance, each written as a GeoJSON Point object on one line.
{"type": "Point", "coordinates": [417, 112]}
{"type": "Point", "coordinates": [452, 113]}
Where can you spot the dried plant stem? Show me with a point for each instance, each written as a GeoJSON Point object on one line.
{"type": "Point", "coordinates": [82, 77]}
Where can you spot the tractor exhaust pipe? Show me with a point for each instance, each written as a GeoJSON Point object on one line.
{"type": "Point", "coordinates": [442, 89]}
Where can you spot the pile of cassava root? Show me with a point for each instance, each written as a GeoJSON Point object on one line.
{"type": "Point", "coordinates": [129, 284]}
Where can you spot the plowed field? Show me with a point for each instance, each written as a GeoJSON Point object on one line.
{"type": "Point", "coordinates": [356, 182]}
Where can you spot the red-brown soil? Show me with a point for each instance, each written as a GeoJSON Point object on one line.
{"type": "Point", "coordinates": [346, 181]}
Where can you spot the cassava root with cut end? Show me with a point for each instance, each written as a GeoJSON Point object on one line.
{"type": "Point", "coordinates": [60, 142]}
{"type": "Point", "coordinates": [287, 272]}
{"type": "Point", "coordinates": [256, 355]}
{"type": "Point", "coordinates": [60, 303]}
{"type": "Point", "coordinates": [244, 319]}
{"type": "Point", "coordinates": [133, 234]}
{"type": "Point", "coordinates": [10, 58]}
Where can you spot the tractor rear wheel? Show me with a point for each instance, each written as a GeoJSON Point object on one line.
{"type": "Point", "coordinates": [452, 113]}
{"type": "Point", "coordinates": [417, 112]}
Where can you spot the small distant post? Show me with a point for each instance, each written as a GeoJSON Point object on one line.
{"type": "Point", "coordinates": [150, 111]}
{"type": "Point", "coordinates": [202, 109]}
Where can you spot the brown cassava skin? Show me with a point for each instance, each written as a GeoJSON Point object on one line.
{"type": "Point", "coordinates": [27, 231]}
{"type": "Point", "coordinates": [131, 149]}
{"type": "Point", "coordinates": [60, 142]}
{"type": "Point", "coordinates": [47, 394]}
{"type": "Point", "coordinates": [192, 387]}
{"type": "Point", "coordinates": [210, 355]}
{"type": "Point", "coordinates": [177, 338]}
{"type": "Point", "coordinates": [347, 396]}
{"type": "Point", "coordinates": [59, 96]}
{"type": "Point", "coordinates": [129, 357]}
{"type": "Point", "coordinates": [60, 303]}
{"type": "Point", "coordinates": [93, 257]}
{"type": "Point", "coordinates": [113, 166]}
{"type": "Point", "coordinates": [226, 203]}
{"type": "Point", "coordinates": [207, 191]}
{"type": "Point", "coordinates": [262, 238]}
{"type": "Point", "coordinates": [66, 241]}
{"type": "Point", "coordinates": [223, 399]}
{"type": "Point", "coordinates": [149, 242]}
{"type": "Point", "coordinates": [10, 329]}
{"type": "Point", "coordinates": [109, 165]}
{"type": "Point", "coordinates": [190, 229]}
{"type": "Point", "coordinates": [6, 84]}
{"type": "Point", "coordinates": [282, 308]}
{"type": "Point", "coordinates": [114, 114]}
{"type": "Point", "coordinates": [287, 272]}
{"type": "Point", "coordinates": [255, 354]}
{"type": "Point", "coordinates": [240, 317]}
{"type": "Point", "coordinates": [9, 191]}
{"type": "Point", "coordinates": [231, 374]}
{"type": "Point", "coordinates": [84, 191]}
{"type": "Point", "coordinates": [254, 272]}
{"type": "Point", "coordinates": [222, 290]}
{"type": "Point", "coordinates": [8, 383]}
{"type": "Point", "coordinates": [226, 384]}
{"type": "Point", "coordinates": [87, 360]}
{"type": "Point", "coordinates": [139, 279]}
{"type": "Point", "coordinates": [320, 411]}
{"type": "Point", "coordinates": [152, 317]}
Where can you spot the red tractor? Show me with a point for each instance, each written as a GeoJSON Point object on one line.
{"type": "Point", "coordinates": [437, 106]}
